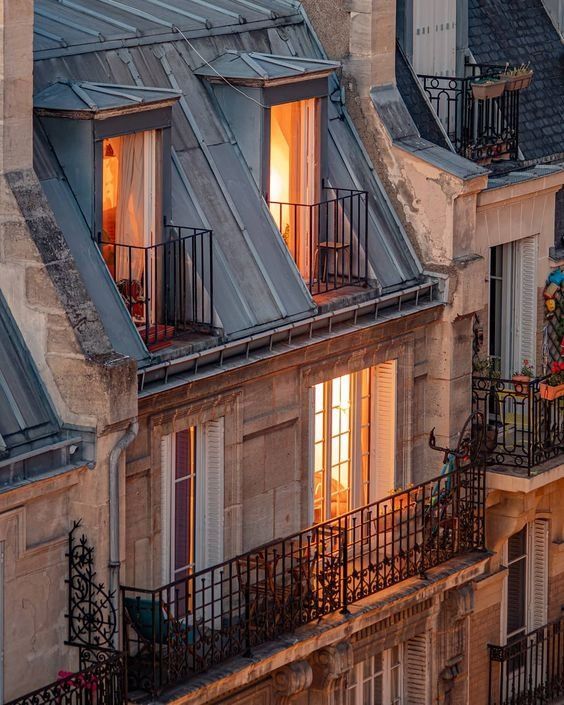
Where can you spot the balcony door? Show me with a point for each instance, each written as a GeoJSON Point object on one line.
{"type": "Point", "coordinates": [354, 440]}
{"type": "Point", "coordinates": [294, 176]}
{"type": "Point", "coordinates": [130, 213]}
{"type": "Point", "coordinates": [513, 304]}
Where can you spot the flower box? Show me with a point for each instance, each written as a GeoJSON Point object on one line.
{"type": "Point", "coordinates": [549, 392]}
{"type": "Point", "coordinates": [484, 89]}
{"type": "Point", "coordinates": [521, 383]}
{"type": "Point", "coordinates": [518, 82]}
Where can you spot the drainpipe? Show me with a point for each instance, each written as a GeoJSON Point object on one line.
{"type": "Point", "coordinates": [114, 562]}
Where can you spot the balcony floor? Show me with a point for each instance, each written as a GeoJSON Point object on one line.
{"type": "Point", "coordinates": [346, 296]}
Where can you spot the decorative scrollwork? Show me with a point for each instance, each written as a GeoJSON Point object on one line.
{"type": "Point", "coordinates": [92, 619]}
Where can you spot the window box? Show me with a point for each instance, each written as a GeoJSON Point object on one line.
{"type": "Point", "coordinates": [549, 392]}
{"type": "Point", "coordinates": [486, 89]}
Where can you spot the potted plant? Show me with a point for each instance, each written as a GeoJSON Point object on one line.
{"type": "Point", "coordinates": [522, 377]}
{"type": "Point", "coordinates": [553, 386]}
{"type": "Point", "coordinates": [518, 78]}
{"type": "Point", "coordinates": [487, 87]}
{"type": "Point", "coordinates": [485, 367]}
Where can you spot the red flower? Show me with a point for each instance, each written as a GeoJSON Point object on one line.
{"type": "Point", "coordinates": [555, 368]}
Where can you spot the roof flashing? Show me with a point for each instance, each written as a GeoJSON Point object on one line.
{"type": "Point", "coordinates": [255, 69]}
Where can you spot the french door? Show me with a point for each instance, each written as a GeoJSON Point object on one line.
{"type": "Point", "coordinates": [353, 440]}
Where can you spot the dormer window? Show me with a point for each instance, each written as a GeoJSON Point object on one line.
{"type": "Point", "coordinates": [285, 100]}
{"type": "Point", "coordinates": [114, 145]}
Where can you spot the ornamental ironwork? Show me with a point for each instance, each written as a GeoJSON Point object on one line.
{"type": "Point", "coordinates": [529, 670]}
{"type": "Point", "coordinates": [92, 619]}
{"type": "Point", "coordinates": [102, 684]}
{"type": "Point", "coordinates": [184, 628]}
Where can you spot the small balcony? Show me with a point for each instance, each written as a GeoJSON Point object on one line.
{"type": "Point", "coordinates": [529, 670]}
{"type": "Point", "coordinates": [327, 240]}
{"type": "Point", "coordinates": [482, 129]}
{"type": "Point", "coordinates": [167, 287]}
{"type": "Point", "coordinates": [103, 683]}
{"type": "Point", "coordinates": [179, 630]}
{"type": "Point", "coordinates": [524, 429]}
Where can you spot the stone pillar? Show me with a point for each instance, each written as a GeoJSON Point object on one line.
{"type": "Point", "coordinates": [330, 668]}
{"type": "Point", "coordinates": [292, 680]}
{"type": "Point", "coordinates": [16, 84]}
{"type": "Point", "coordinates": [372, 43]}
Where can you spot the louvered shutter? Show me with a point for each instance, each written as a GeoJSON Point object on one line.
{"type": "Point", "coordinates": [416, 670]}
{"type": "Point", "coordinates": [538, 607]}
{"type": "Point", "coordinates": [211, 540]}
{"type": "Point", "coordinates": [526, 294]}
{"type": "Point", "coordinates": [383, 430]}
{"type": "Point", "coordinates": [434, 37]}
{"type": "Point", "coordinates": [166, 479]}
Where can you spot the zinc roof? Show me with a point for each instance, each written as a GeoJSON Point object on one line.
{"type": "Point", "coordinates": [88, 97]}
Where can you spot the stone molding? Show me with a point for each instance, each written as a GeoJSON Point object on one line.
{"type": "Point", "coordinates": [291, 680]}
{"type": "Point", "coordinates": [330, 664]}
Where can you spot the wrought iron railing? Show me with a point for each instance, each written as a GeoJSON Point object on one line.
{"type": "Point", "coordinates": [328, 240]}
{"type": "Point", "coordinates": [101, 684]}
{"type": "Point", "coordinates": [480, 130]}
{"type": "Point", "coordinates": [182, 629]}
{"type": "Point", "coordinates": [168, 287]}
{"type": "Point", "coordinates": [530, 670]}
{"type": "Point", "coordinates": [523, 429]}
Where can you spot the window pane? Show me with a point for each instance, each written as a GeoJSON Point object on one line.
{"type": "Point", "coordinates": [516, 596]}
{"type": "Point", "coordinates": [517, 545]}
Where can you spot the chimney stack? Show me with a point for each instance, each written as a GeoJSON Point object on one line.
{"type": "Point", "coordinates": [16, 85]}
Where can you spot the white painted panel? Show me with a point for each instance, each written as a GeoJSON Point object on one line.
{"type": "Point", "coordinates": [434, 37]}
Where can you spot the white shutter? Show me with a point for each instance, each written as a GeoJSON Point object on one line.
{"type": "Point", "coordinates": [538, 580]}
{"type": "Point", "coordinates": [434, 37]}
{"type": "Point", "coordinates": [211, 507]}
{"type": "Point", "coordinates": [416, 670]}
{"type": "Point", "coordinates": [526, 301]}
{"type": "Point", "coordinates": [166, 480]}
{"type": "Point", "coordinates": [383, 430]}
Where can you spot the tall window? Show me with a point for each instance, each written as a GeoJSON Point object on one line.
{"type": "Point", "coordinates": [294, 174]}
{"type": "Point", "coordinates": [131, 175]}
{"type": "Point", "coordinates": [512, 305]}
{"type": "Point", "coordinates": [527, 580]}
{"type": "Point", "coordinates": [192, 496]}
{"type": "Point", "coordinates": [354, 444]}
{"type": "Point", "coordinates": [378, 680]}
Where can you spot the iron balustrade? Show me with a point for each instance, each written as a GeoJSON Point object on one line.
{"type": "Point", "coordinates": [480, 130]}
{"type": "Point", "coordinates": [523, 430]}
{"type": "Point", "coordinates": [101, 684]}
{"type": "Point", "coordinates": [529, 670]}
{"type": "Point", "coordinates": [167, 287]}
{"type": "Point", "coordinates": [328, 240]}
{"type": "Point", "coordinates": [182, 629]}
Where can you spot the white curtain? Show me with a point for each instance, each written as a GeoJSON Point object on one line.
{"type": "Point", "coordinates": [130, 226]}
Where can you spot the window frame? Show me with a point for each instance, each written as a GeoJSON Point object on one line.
{"type": "Point", "coordinates": [159, 120]}
{"type": "Point", "coordinates": [292, 93]}
{"type": "Point", "coordinates": [355, 691]}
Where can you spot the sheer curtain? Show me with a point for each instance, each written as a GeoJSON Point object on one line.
{"type": "Point", "coordinates": [130, 226]}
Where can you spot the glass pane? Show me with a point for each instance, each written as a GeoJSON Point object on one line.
{"type": "Point", "coordinates": [517, 545]}
{"type": "Point", "coordinates": [516, 596]}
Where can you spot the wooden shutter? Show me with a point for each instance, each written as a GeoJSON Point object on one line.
{"type": "Point", "coordinates": [212, 507]}
{"type": "Point", "coordinates": [416, 670]}
{"type": "Point", "coordinates": [383, 430]}
{"type": "Point", "coordinates": [434, 37]}
{"type": "Point", "coordinates": [166, 480]}
{"type": "Point", "coordinates": [538, 578]}
{"type": "Point", "coordinates": [526, 301]}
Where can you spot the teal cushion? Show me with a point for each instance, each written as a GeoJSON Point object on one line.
{"type": "Point", "coordinates": [143, 614]}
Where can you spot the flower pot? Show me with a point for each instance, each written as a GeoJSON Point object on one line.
{"type": "Point", "coordinates": [485, 91]}
{"type": "Point", "coordinates": [550, 393]}
{"type": "Point", "coordinates": [521, 383]}
{"type": "Point", "coordinates": [518, 83]}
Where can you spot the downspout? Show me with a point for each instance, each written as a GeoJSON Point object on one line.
{"type": "Point", "coordinates": [114, 562]}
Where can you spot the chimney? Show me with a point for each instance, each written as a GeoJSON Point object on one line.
{"type": "Point", "coordinates": [16, 85]}
{"type": "Point", "coordinates": [372, 43]}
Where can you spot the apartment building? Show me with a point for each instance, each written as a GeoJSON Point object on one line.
{"type": "Point", "coordinates": [478, 184]}
{"type": "Point", "coordinates": [242, 284]}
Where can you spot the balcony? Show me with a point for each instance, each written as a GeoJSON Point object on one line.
{"type": "Point", "coordinates": [523, 430]}
{"type": "Point", "coordinates": [480, 129]}
{"type": "Point", "coordinates": [167, 287]}
{"type": "Point", "coordinates": [327, 240]}
{"type": "Point", "coordinates": [529, 670]}
{"type": "Point", "coordinates": [101, 684]}
{"type": "Point", "coordinates": [179, 630]}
